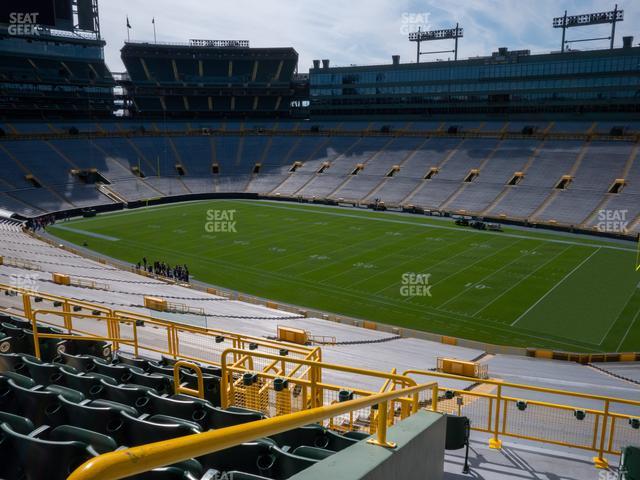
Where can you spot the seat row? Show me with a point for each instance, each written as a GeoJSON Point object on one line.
{"type": "Point", "coordinates": [67, 411]}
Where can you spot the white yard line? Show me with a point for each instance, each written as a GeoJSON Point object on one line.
{"type": "Point", "coordinates": [521, 280]}
{"type": "Point", "coordinates": [88, 233]}
{"type": "Point", "coordinates": [628, 330]}
{"type": "Point", "coordinates": [431, 225]}
{"type": "Point", "coordinates": [556, 286]}
{"type": "Point", "coordinates": [465, 290]}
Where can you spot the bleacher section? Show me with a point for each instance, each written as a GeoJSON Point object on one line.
{"type": "Point", "coordinates": [70, 407]}
{"type": "Point", "coordinates": [550, 180]}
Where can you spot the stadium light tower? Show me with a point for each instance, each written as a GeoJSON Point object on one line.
{"type": "Point", "coordinates": [445, 34]}
{"type": "Point", "coordinates": [587, 19]}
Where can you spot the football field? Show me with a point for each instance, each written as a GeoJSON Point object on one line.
{"type": "Point", "coordinates": [518, 287]}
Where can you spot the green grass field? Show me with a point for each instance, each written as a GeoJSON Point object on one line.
{"type": "Point", "coordinates": [523, 288]}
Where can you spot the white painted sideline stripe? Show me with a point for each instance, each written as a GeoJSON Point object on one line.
{"type": "Point", "coordinates": [87, 233]}
{"type": "Point", "coordinates": [431, 225]}
{"type": "Point", "coordinates": [555, 286]}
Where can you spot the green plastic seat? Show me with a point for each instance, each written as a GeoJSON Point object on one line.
{"type": "Point", "coordinates": [630, 463]}
{"type": "Point", "coordinates": [457, 436]}
{"type": "Point", "coordinates": [37, 459]}
{"type": "Point", "coordinates": [314, 453]}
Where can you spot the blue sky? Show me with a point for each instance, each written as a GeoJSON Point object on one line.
{"type": "Point", "coordinates": [358, 31]}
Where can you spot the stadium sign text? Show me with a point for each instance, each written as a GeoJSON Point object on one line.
{"type": "Point", "coordinates": [21, 23]}
{"type": "Point", "coordinates": [220, 221]}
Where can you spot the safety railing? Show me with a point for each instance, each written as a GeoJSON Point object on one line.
{"type": "Point", "coordinates": [278, 385]}
{"type": "Point", "coordinates": [136, 132]}
{"type": "Point", "coordinates": [178, 388]}
{"type": "Point", "coordinates": [131, 461]}
{"type": "Point", "coordinates": [603, 425]}
{"type": "Point", "coordinates": [143, 333]}
{"type": "Point", "coordinates": [279, 379]}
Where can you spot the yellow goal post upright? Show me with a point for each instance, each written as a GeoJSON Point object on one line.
{"type": "Point", "coordinates": [638, 256]}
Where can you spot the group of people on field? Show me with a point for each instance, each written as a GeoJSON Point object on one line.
{"type": "Point", "coordinates": [177, 272]}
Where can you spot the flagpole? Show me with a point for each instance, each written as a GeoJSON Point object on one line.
{"type": "Point", "coordinates": [155, 40]}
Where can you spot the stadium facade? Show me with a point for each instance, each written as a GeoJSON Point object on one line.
{"type": "Point", "coordinates": [572, 83]}
{"type": "Point", "coordinates": [52, 61]}
{"type": "Point", "coordinates": [214, 78]}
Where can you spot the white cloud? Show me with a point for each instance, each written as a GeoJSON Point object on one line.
{"type": "Point", "coordinates": [352, 32]}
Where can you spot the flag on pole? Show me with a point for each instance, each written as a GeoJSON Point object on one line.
{"type": "Point", "coordinates": [153, 20]}
{"type": "Point", "coordinates": [128, 24]}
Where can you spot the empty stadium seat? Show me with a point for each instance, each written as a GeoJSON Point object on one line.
{"type": "Point", "coordinates": [34, 458]}
{"type": "Point", "coordinates": [89, 347]}
{"type": "Point", "coordinates": [90, 384]}
{"type": "Point", "coordinates": [127, 394]}
{"type": "Point", "coordinates": [43, 373]}
{"type": "Point", "coordinates": [82, 363]}
{"type": "Point", "coordinates": [221, 418]}
{"type": "Point", "coordinates": [261, 457]}
{"type": "Point", "coordinates": [155, 428]}
{"type": "Point", "coordinates": [160, 383]}
{"type": "Point", "coordinates": [40, 404]}
{"type": "Point", "coordinates": [99, 416]}
{"type": "Point", "coordinates": [313, 436]}
{"type": "Point", "coordinates": [133, 361]}
{"type": "Point", "coordinates": [180, 406]}
{"type": "Point", "coordinates": [120, 372]}
{"type": "Point", "coordinates": [12, 362]}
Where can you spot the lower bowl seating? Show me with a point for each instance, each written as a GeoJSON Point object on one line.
{"type": "Point", "coordinates": [72, 406]}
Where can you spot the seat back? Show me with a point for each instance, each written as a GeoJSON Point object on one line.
{"type": "Point", "coordinates": [192, 410]}
{"type": "Point", "coordinates": [94, 348]}
{"type": "Point", "coordinates": [219, 418]}
{"type": "Point", "coordinates": [630, 463]}
{"type": "Point", "coordinates": [140, 431]}
{"type": "Point", "coordinates": [41, 406]}
{"type": "Point", "coordinates": [44, 373]}
{"type": "Point", "coordinates": [133, 395]}
{"type": "Point", "coordinates": [12, 362]}
{"type": "Point", "coordinates": [82, 363]}
{"type": "Point", "coordinates": [38, 459]}
{"type": "Point", "coordinates": [211, 385]}
{"type": "Point", "coordinates": [161, 383]}
{"type": "Point", "coordinates": [101, 419]}
{"type": "Point", "coordinates": [141, 363]}
{"type": "Point", "coordinates": [458, 431]}
{"type": "Point", "coordinates": [17, 423]}
{"type": "Point", "coordinates": [120, 372]}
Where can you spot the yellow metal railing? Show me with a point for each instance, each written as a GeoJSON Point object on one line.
{"type": "Point", "coordinates": [132, 461]}
{"type": "Point", "coordinates": [249, 380]}
{"type": "Point", "coordinates": [593, 425]}
{"type": "Point", "coordinates": [144, 333]}
{"type": "Point", "coordinates": [178, 388]}
{"type": "Point", "coordinates": [599, 424]}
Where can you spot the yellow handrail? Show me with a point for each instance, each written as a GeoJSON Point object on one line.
{"type": "Point", "coordinates": [603, 417]}
{"type": "Point", "coordinates": [186, 390]}
{"type": "Point", "coordinates": [132, 461]}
